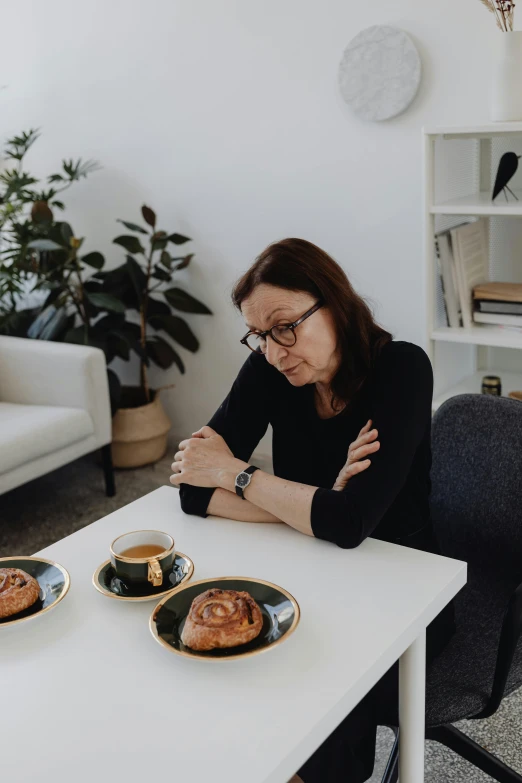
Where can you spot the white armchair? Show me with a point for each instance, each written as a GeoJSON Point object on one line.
{"type": "Point", "coordinates": [54, 408]}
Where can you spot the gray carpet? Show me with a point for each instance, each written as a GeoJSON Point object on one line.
{"type": "Point", "coordinates": [36, 515]}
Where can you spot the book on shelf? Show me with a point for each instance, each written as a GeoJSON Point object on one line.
{"type": "Point", "coordinates": [488, 306]}
{"type": "Point", "coordinates": [498, 303]}
{"type": "Point", "coordinates": [470, 253]}
{"type": "Point", "coordinates": [498, 318]}
{"type": "Point", "coordinates": [448, 278]}
{"type": "Point", "coordinates": [498, 292]}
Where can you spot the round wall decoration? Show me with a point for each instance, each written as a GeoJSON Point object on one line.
{"type": "Point", "coordinates": [380, 73]}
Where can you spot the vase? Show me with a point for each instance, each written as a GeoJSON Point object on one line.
{"type": "Point", "coordinates": [506, 90]}
{"type": "Point", "coordinates": [139, 434]}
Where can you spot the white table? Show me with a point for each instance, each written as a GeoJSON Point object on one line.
{"type": "Point", "coordinates": [91, 695]}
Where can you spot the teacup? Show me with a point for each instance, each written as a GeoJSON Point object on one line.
{"type": "Point", "coordinates": [143, 556]}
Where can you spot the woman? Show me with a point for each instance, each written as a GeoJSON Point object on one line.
{"type": "Point", "coordinates": [322, 372]}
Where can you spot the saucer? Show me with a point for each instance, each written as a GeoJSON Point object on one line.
{"type": "Point", "coordinates": [106, 581]}
{"type": "Point", "coordinates": [54, 583]}
{"type": "Point", "coordinates": [279, 609]}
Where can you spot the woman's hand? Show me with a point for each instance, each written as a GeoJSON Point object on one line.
{"type": "Point", "coordinates": [200, 459]}
{"type": "Point", "coordinates": [357, 450]}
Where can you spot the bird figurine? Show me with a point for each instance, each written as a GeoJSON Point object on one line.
{"type": "Point", "coordinates": [506, 169]}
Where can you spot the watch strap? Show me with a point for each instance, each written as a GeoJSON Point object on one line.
{"type": "Point", "coordinates": [239, 490]}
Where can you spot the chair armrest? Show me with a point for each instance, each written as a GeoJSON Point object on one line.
{"type": "Point", "coordinates": [40, 372]}
{"type": "Point", "coordinates": [509, 636]}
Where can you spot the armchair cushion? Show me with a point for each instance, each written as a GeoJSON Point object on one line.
{"type": "Point", "coordinates": [31, 431]}
{"type": "Point", "coordinates": [63, 375]}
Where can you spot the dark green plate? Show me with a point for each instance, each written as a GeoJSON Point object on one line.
{"type": "Point", "coordinates": [106, 581]}
{"type": "Point", "coordinates": [279, 609]}
{"type": "Point", "coordinates": [54, 583]}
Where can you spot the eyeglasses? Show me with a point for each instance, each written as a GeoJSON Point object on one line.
{"type": "Point", "coordinates": [283, 334]}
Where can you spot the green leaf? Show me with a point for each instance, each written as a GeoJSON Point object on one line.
{"type": "Point", "coordinates": [130, 243]}
{"type": "Point", "coordinates": [58, 204]}
{"type": "Point", "coordinates": [109, 322]}
{"type": "Point", "coordinates": [133, 226]}
{"type": "Point", "coordinates": [119, 346]}
{"type": "Point", "coordinates": [159, 240]}
{"type": "Point", "coordinates": [177, 328]}
{"type": "Point", "coordinates": [95, 259]}
{"type": "Point", "coordinates": [44, 244]}
{"type": "Point", "coordinates": [178, 239]}
{"type": "Point", "coordinates": [131, 330]}
{"type": "Point", "coordinates": [161, 274]}
{"type": "Point", "coordinates": [76, 335]}
{"type": "Point", "coordinates": [166, 259]}
{"type": "Point", "coordinates": [185, 302]}
{"type": "Point", "coordinates": [163, 354]}
{"type": "Point", "coordinates": [157, 307]}
{"type": "Point", "coordinates": [106, 302]}
{"type": "Point", "coordinates": [138, 277]}
{"type": "Point", "coordinates": [149, 216]}
{"type": "Point", "coordinates": [185, 262]}
{"type": "Point", "coordinates": [133, 343]}
{"type": "Point", "coordinates": [66, 232]}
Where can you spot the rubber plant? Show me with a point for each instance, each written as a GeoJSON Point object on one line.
{"type": "Point", "coordinates": [144, 283]}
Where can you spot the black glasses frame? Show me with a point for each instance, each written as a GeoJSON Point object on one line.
{"type": "Point", "coordinates": [292, 326]}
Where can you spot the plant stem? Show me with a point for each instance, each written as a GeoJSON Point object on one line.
{"type": "Point", "coordinates": [143, 314]}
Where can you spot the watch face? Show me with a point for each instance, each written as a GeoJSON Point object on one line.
{"type": "Point", "coordinates": [243, 479]}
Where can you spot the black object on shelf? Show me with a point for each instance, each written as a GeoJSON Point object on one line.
{"type": "Point", "coordinates": [491, 384]}
{"type": "Point", "coordinates": [506, 169]}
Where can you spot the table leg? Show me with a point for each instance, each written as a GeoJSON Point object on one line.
{"type": "Point", "coordinates": [412, 698]}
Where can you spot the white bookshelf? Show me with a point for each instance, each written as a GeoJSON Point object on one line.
{"type": "Point", "coordinates": [479, 204]}
{"type": "Point", "coordinates": [472, 384]}
{"type": "Point", "coordinates": [459, 168]}
{"type": "Point", "coordinates": [480, 335]}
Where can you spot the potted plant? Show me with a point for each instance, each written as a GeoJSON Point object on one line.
{"type": "Point", "coordinates": [40, 254]}
{"type": "Point", "coordinates": [29, 235]}
{"type": "Point", "coordinates": [144, 285]}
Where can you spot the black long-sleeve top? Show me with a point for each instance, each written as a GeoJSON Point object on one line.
{"type": "Point", "coordinates": [388, 500]}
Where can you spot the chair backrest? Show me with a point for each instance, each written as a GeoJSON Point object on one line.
{"type": "Point", "coordinates": [476, 497]}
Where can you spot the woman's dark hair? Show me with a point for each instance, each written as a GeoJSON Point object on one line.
{"type": "Point", "coordinates": [298, 265]}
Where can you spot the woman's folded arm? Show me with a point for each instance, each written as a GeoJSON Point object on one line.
{"type": "Point", "coordinates": [242, 419]}
{"type": "Point", "coordinates": [401, 412]}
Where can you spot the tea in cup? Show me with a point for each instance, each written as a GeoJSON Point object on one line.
{"type": "Point", "coordinates": [143, 556]}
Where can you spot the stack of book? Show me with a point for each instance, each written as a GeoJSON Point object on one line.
{"type": "Point", "coordinates": [498, 303]}
{"type": "Point", "coordinates": [463, 263]}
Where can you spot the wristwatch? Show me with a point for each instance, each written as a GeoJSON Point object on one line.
{"type": "Point", "coordinates": [243, 479]}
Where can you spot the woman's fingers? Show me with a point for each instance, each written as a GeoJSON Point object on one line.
{"type": "Point", "coordinates": [349, 471]}
{"type": "Point", "coordinates": [366, 427]}
{"type": "Point", "coordinates": [363, 440]}
{"type": "Point", "coordinates": [355, 467]}
{"type": "Point", "coordinates": [362, 451]}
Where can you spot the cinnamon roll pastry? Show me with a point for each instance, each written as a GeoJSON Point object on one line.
{"type": "Point", "coordinates": [18, 591]}
{"type": "Point", "coordinates": [221, 618]}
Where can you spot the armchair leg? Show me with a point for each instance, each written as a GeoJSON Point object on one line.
{"type": "Point", "coordinates": [108, 471]}
{"type": "Point", "coordinates": [391, 773]}
{"type": "Point", "coordinates": [453, 738]}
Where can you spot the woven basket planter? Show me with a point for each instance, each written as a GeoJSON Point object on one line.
{"type": "Point", "coordinates": [139, 434]}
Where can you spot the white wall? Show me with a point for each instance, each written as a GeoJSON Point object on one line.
{"type": "Point", "coordinates": [225, 117]}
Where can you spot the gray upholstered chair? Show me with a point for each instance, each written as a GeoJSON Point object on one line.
{"type": "Point", "coordinates": [476, 505]}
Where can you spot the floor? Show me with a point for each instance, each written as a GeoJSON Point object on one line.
{"type": "Point", "coordinates": [36, 515]}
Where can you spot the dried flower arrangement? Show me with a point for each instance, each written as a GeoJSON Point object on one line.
{"type": "Point", "coordinates": [504, 11]}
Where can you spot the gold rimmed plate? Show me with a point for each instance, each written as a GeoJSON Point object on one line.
{"type": "Point", "coordinates": [54, 583]}
{"type": "Point", "coordinates": [280, 613]}
{"type": "Point", "coordinates": [107, 582]}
